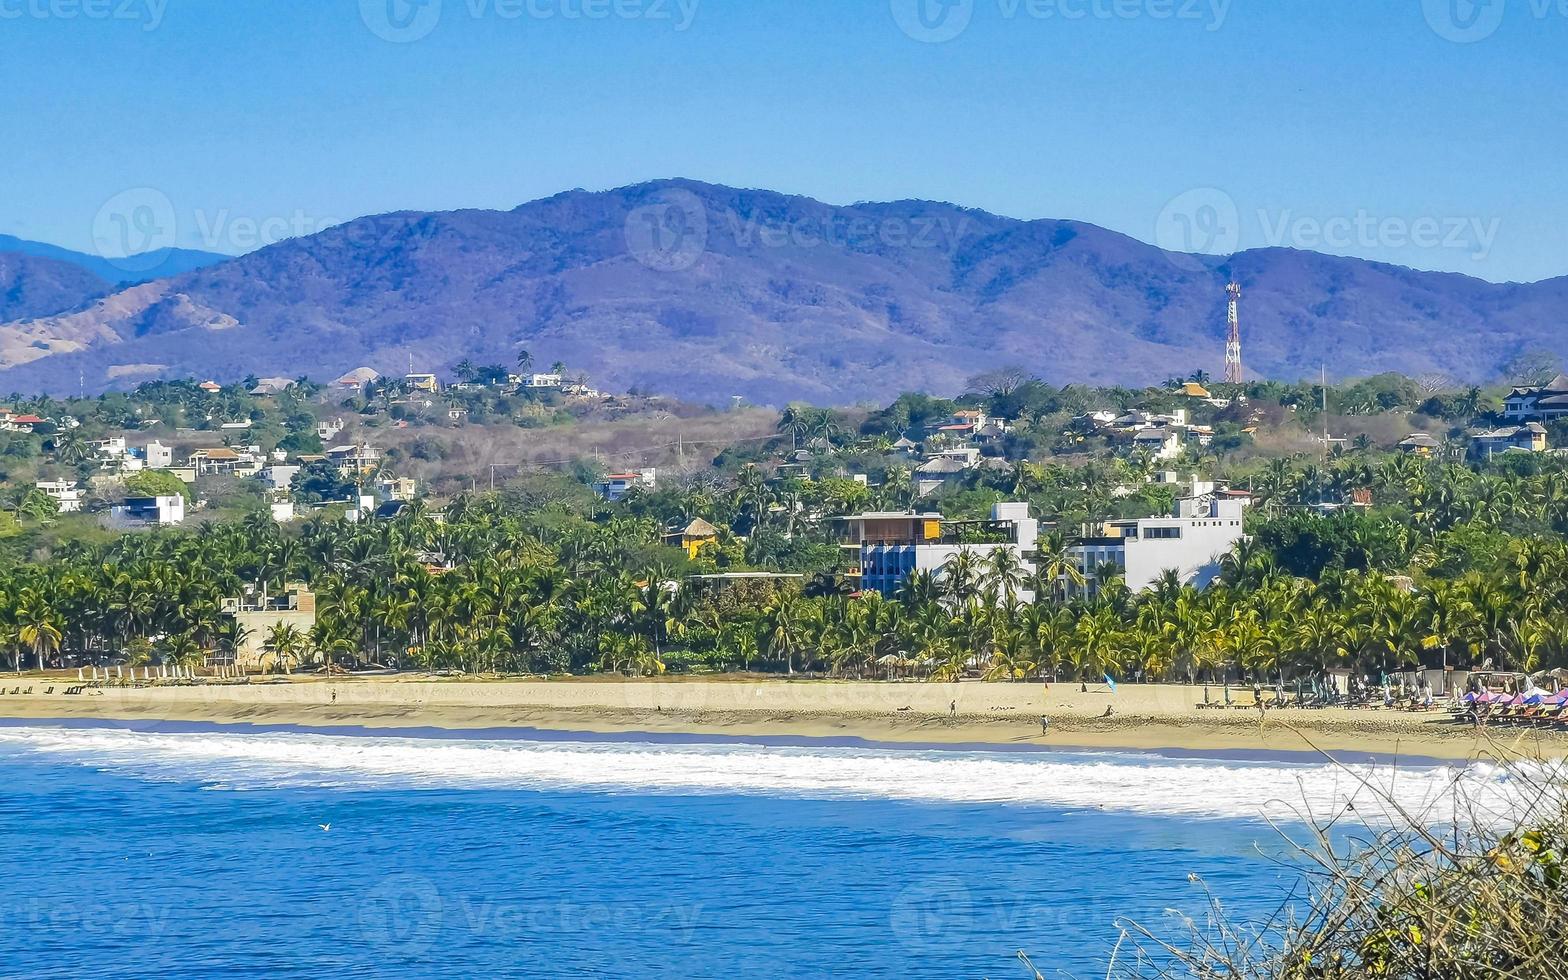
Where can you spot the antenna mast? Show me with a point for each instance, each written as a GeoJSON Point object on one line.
{"type": "Point", "coordinates": [1233, 340]}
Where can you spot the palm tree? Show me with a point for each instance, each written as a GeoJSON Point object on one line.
{"type": "Point", "coordinates": [37, 626]}
{"type": "Point", "coordinates": [1005, 573]}
{"type": "Point", "coordinates": [71, 448]}
{"type": "Point", "coordinates": [287, 644]}
{"type": "Point", "coordinates": [786, 629]}
{"type": "Point", "coordinates": [796, 421]}
{"type": "Point", "coordinates": [1058, 571]}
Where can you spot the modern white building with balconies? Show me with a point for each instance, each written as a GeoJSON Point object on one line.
{"type": "Point", "coordinates": [1192, 543]}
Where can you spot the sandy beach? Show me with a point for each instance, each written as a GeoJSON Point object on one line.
{"type": "Point", "coordinates": [968, 713]}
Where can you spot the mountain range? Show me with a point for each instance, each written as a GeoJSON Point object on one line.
{"type": "Point", "coordinates": [158, 264]}
{"type": "Point", "coordinates": [704, 291]}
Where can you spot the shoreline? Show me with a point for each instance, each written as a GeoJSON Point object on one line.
{"type": "Point", "coordinates": [1261, 750]}
{"type": "Point", "coordinates": [989, 716]}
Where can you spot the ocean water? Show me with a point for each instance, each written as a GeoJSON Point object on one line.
{"type": "Point", "coordinates": [304, 854]}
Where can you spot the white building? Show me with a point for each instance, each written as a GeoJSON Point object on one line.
{"type": "Point", "coordinates": [148, 511]}
{"type": "Point", "coordinates": [1191, 543]}
{"type": "Point", "coordinates": [356, 460]}
{"type": "Point", "coordinates": [1161, 442]}
{"type": "Point", "coordinates": [1538, 404]}
{"type": "Point", "coordinates": [158, 456]}
{"type": "Point", "coordinates": [64, 493]}
{"type": "Point", "coordinates": [396, 488]}
{"type": "Point", "coordinates": [890, 546]}
{"type": "Point", "coordinates": [278, 479]}
{"type": "Point", "coordinates": [617, 485]}
{"type": "Point", "coordinates": [541, 381]}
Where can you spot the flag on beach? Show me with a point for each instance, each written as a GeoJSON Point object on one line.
{"type": "Point", "coordinates": [1110, 683]}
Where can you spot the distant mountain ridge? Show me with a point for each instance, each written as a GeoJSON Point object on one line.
{"type": "Point", "coordinates": [705, 291]}
{"type": "Point", "coordinates": [158, 264]}
{"type": "Point", "coordinates": [33, 286]}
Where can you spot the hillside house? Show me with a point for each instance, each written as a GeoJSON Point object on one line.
{"type": "Point", "coordinates": [224, 459]}
{"type": "Point", "coordinates": [278, 478]}
{"type": "Point", "coordinates": [157, 456]}
{"type": "Point", "coordinates": [396, 488]}
{"type": "Point", "coordinates": [1419, 444]}
{"type": "Point", "coordinates": [1538, 403]}
{"type": "Point", "coordinates": [148, 512]}
{"type": "Point", "coordinates": [354, 461]}
{"type": "Point", "coordinates": [427, 383]}
{"type": "Point", "coordinates": [693, 536]}
{"type": "Point", "coordinates": [64, 493]}
{"type": "Point", "coordinates": [20, 423]}
{"type": "Point", "coordinates": [356, 379]}
{"type": "Point", "coordinates": [616, 486]}
{"type": "Point", "coordinates": [1159, 441]}
{"type": "Point", "coordinates": [272, 386]}
{"type": "Point", "coordinates": [937, 472]}
{"type": "Point", "coordinates": [1527, 438]}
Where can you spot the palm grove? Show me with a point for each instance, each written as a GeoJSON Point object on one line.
{"type": "Point", "coordinates": [1456, 564]}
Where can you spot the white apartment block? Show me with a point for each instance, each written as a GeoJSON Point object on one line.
{"type": "Point", "coordinates": [1190, 543]}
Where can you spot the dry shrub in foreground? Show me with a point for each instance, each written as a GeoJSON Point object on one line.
{"type": "Point", "coordinates": [1480, 897]}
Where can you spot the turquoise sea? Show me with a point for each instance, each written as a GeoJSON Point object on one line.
{"type": "Point", "coordinates": [285, 853]}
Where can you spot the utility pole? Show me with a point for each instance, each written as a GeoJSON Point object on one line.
{"type": "Point", "coordinates": [1323, 386]}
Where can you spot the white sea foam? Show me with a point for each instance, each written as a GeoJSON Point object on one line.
{"type": "Point", "coordinates": [1197, 788]}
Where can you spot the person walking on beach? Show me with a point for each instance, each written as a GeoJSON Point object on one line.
{"type": "Point", "coordinates": [1045, 725]}
{"type": "Point", "coordinates": [952, 708]}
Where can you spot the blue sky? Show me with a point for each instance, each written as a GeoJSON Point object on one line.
{"type": "Point", "coordinates": [1426, 132]}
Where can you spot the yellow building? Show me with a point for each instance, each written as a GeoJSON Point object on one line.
{"type": "Point", "coordinates": [691, 538]}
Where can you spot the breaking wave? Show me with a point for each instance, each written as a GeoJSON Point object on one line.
{"type": "Point", "coordinates": [1137, 783]}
